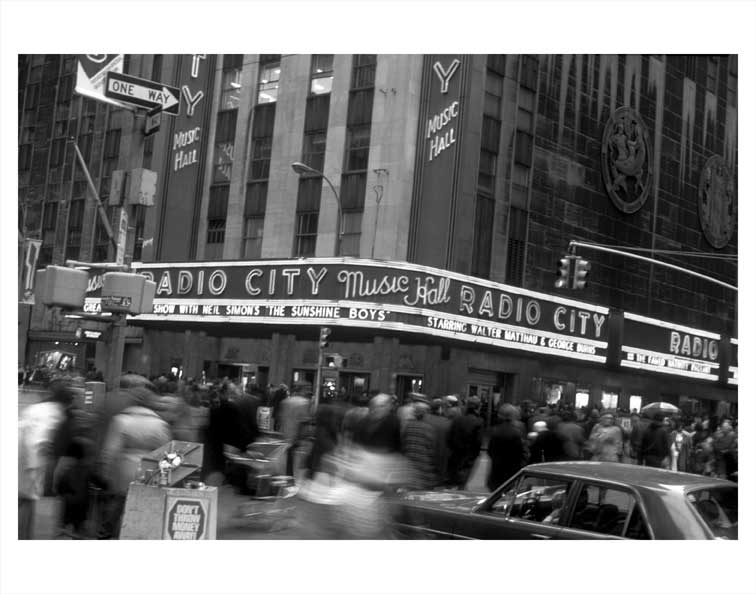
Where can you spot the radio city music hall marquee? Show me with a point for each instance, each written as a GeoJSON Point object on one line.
{"type": "Point", "coordinates": [383, 295]}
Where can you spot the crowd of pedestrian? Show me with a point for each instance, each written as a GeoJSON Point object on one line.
{"type": "Point", "coordinates": [372, 440]}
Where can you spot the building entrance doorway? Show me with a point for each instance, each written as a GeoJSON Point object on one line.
{"type": "Point", "coordinates": [405, 384]}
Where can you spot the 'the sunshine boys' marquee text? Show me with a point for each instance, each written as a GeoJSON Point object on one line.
{"type": "Point", "coordinates": [389, 317]}
{"type": "Point", "coordinates": [654, 345]}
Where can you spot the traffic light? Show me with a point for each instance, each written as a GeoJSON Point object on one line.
{"type": "Point", "coordinates": [582, 268]}
{"type": "Point", "coordinates": [563, 273]}
{"type": "Point", "coordinates": [324, 333]}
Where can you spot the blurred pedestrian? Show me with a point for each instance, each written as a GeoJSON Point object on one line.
{"type": "Point", "coordinates": [326, 437]}
{"type": "Point", "coordinates": [441, 423]}
{"type": "Point", "coordinates": [549, 444]}
{"type": "Point", "coordinates": [506, 447]}
{"type": "Point", "coordinates": [295, 414]}
{"type": "Point", "coordinates": [680, 448]}
{"type": "Point", "coordinates": [591, 420]}
{"type": "Point", "coordinates": [465, 439]}
{"type": "Point", "coordinates": [406, 411]}
{"type": "Point", "coordinates": [131, 435]}
{"type": "Point", "coordinates": [353, 416]}
{"type": "Point", "coordinates": [73, 487]}
{"type": "Point", "coordinates": [725, 449]}
{"type": "Point", "coordinates": [572, 435]}
{"type": "Point", "coordinates": [247, 404]}
{"type": "Point", "coordinates": [379, 430]}
{"type": "Point", "coordinates": [278, 395]}
{"type": "Point", "coordinates": [606, 439]}
{"type": "Point", "coordinates": [37, 425]}
{"type": "Point", "coordinates": [453, 409]}
{"type": "Point", "coordinates": [655, 444]}
{"type": "Point", "coordinates": [634, 439]}
{"type": "Point", "coordinates": [702, 451]}
{"type": "Point", "coordinates": [419, 446]}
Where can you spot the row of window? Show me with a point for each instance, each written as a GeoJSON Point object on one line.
{"type": "Point", "coordinates": [352, 191]}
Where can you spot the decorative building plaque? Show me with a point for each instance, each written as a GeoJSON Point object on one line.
{"type": "Point", "coordinates": [626, 160]}
{"type": "Point", "coordinates": [716, 202]}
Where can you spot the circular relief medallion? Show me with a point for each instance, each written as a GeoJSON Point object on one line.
{"type": "Point", "coordinates": [626, 160]}
{"type": "Point", "coordinates": [716, 202]}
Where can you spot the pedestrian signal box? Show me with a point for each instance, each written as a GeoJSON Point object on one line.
{"type": "Point", "coordinates": [123, 292]}
{"type": "Point", "coordinates": [61, 286]}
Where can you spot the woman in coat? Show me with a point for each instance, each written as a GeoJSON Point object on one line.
{"type": "Point", "coordinates": [132, 434]}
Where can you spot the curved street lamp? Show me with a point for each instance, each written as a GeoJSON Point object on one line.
{"type": "Point", "coordinates": [302, 169]}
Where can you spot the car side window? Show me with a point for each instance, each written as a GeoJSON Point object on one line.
{"type": "Point", "coordinates": [605, 510]}
{"type": "Point", "coordinates": [533, 498]}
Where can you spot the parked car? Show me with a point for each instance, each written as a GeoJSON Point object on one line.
{"type": "Point", "coordinates": [577, 500]}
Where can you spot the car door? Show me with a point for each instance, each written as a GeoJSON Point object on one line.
{"type": "Point", "coordinates": [605, 512]}
{"type": "Point", "coordinates": [528, 507]}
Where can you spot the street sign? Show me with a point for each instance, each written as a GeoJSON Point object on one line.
{"type": "Point", "coordinates": [152, 120]}
{"type": "Point", "coordinates": [142, 92]}
{"type": "Point", "coordinates": [31, 251]}
{"type": "Point", "coordinates": [116, 302]}
{"type": "Point", "coordinates": [123, 230]}
{"type": "Point", "coordinates": [91, 72]}
{"type": "Point", "coordinates": [186, 519]}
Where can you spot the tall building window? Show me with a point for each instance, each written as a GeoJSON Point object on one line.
{"type": "Point", "coordinates": [363, 71]}
{"type": "Point", "coordinates": [75, 225]}
{"type": "Point", "coordinates": [358, 148]}
{"type": "Point", "coordinates": [57, 152]}
{"type": "Point", "coordinates": [310, 187]}
{"type": "Point", "coordinates": [529, 72]}
{"type": "Point", "coordinates": [517, 234]}
{"type": "Point", "coordinates": [487, 165]}
{"type": "Point", "coordinates": [101, 239]}
{"type": "Point", "coordinates": [254, 217]}
{"type": "Point", "coordinates": [732, 80]}
{"type": "Point", "coordinates": [321, 74]}
{"type": "Point", "coordinates": [257, 179]}
{"type": "Point", "coordinates": [216, 222]}
{"type": "Point", "coordinates": [225, 134]}
{"type": "Point", "coordinates": [109, 159]}
{"type": "Point", "coordinates": [65, 90]}
{"type": "Point", "coordinates": [268, 77]}
{"type": "Point", "coordinates": [157, 67]}
{"type": "Point", "coordinates": [49, 222]}
{"type": "Point", "coordinates": [357, 152]}
{"type": "Point", "coordinates": [231, 81]}
{"type": "Point", "coordinates": [484, 216]}
{"type": "Point", "coordinates": [712, 73]}
{"type": "Point", "coordinates": [308, 210]}
{"type": "Point", "coordinates": [313, 152]}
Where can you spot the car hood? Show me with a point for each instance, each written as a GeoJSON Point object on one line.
{"type": "Point", "coordinates": [451, 500]}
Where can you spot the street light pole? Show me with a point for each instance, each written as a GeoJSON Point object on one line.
{"type": "Point", "coordinates": [301, 169]}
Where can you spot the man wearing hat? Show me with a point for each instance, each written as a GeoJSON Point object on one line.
{"type": "Point", "coordinates": [606, 440]}
{"type": "Point", "coordinates": [465, 439]}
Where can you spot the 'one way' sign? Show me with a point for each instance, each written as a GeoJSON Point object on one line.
{"type": "Point", "coordinates": [142, 92]}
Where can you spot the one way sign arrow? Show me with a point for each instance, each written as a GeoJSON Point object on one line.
{"type": "Point", "coordinates": [142, 92]}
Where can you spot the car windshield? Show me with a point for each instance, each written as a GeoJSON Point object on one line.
{"type": "Point", "coordinates": [718, 507]}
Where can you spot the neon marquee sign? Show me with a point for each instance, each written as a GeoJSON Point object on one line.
{"type": "Point", "coordinates": [658, 346]}
{"type": "Point", "coordinates": [384, 295]}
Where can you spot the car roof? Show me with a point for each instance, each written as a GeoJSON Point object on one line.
{"type": "Point", "coordinates": [642, 477]}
